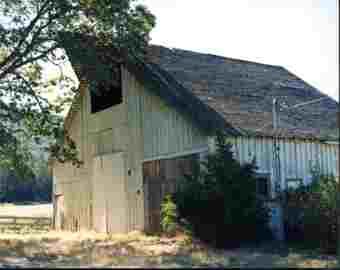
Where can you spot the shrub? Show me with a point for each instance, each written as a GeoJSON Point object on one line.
{"type": "Point", "coordinates": [169, 216]}
{"type": "Point", "coordinates": [219, 199]}
{"type": "Point", "coordinates": [311, 213]}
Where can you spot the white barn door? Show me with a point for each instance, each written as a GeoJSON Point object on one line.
{"type": "Point", "coordinates": [109, 197]}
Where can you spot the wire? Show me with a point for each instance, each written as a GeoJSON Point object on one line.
{"type": "Point", "coordinates": [301, 104]}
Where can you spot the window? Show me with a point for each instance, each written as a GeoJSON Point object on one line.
{"type": "Point", "coordinates": [263, 185]}
{"type": "Point", "coordinates": [107, 94]}
{"type": "Point", "coordinates": [293, 183]}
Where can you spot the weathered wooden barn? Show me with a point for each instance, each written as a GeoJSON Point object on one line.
{"type": "Point", "coordinates": [153, 117]}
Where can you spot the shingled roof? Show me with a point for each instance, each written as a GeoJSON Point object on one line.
{"type": "Point", "coordinates": [234, 95]}
{"type": "Point", "coordinates": [242, 93]}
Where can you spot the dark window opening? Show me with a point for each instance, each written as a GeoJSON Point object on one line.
{"type": "Point", "coordinates": [294, 183]}
{"type": "Point", "coordinates": [107, 94]}
{"type": "Point", "coordinates": [263, 186]}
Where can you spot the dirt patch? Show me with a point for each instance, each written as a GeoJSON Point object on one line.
{"type": "Point", "coordinates": [138, 250]}
{"type": "Point", "coordinates": [31, 210]}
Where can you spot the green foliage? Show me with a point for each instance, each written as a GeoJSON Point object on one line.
{"type": "Point", "coordinates": [30, 38]}
{"type": "Point", "coordinates": [219, 200]}
{"type": "Point", "coordinates": [34, 189]}
{"type": "Point", "coordinates": [169, 216]}
{"type": "Point", "coordinates": [33, 184]}
{"type": "Point", "coordinates": [311, 213]}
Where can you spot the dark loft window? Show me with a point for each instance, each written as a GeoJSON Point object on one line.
{"type": "Point", "coordinates": [263, 185]}
{"type": "Point", "coordinates": [293, 183]}
{"type": "Point", "coordinates": [107, 94]}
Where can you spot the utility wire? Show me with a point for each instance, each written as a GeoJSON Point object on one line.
{"type": "Point", "coordinates": [287, 108]}
{"type": "Point", "coordinates": [301, 104]}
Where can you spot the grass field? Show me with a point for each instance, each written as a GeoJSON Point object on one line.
{"type": "Point", "coordinates": [137, 250]}
{"type": "Point", "coordinates": [89, 249]}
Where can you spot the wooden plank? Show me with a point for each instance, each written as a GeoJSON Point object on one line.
{"type": "Point", "coordinates": [160, 178]}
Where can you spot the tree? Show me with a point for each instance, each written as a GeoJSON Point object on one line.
{"type": "Point", "coordinates": [219, 199]}
{"type": "Point", "coordinates": [29, 38]}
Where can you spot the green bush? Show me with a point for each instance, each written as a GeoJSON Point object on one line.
{"type": "Point", "coordinates": [169, 216]}
{"type": "Point", "coordinates": [311, 213]}
{"type": "Point", "coordinates": [219, 200]}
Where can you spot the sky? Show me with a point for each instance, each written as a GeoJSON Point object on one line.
{"type": "Point", "coordinates": [300, 35]}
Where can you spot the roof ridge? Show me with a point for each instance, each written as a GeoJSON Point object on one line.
{"type": "Point", "coordinates": [218, 56]}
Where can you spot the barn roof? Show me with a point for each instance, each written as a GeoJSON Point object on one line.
{"type": "Point", "coordinates": [237, 95]}
{"type": "Point", "coordinates": [242, 92]}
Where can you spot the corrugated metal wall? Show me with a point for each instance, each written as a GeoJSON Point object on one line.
{"type": "Point", "coordinates": [297, 157]}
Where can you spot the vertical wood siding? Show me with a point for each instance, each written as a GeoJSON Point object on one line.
{"type": "Point", "coordinates": [154, 129]}
{"type": "Point", "coordinates": [109, 202]}
{"type": "Point", "coordinates": [134, 153]}
{"type": "Point", "coordinates": [75, 183]}
{"type": "Point", "coordinates": [143, 127]}
{"type": "Point", "coordinates": [163, 129]}
{"type": "Point", "coordinates": [95, 135]}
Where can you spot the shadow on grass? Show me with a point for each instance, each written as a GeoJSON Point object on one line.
{"type": "Point", "coordinates": [27, 203]}
{"type": "Point", "coordinates": [55, 252]}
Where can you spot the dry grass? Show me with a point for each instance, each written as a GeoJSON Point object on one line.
{"type": "Point", "coordinates": [56, 249]}
{"type": "Point", "coordinates": [19, 210]}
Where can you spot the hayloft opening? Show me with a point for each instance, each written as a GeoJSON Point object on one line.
{"type": "Point", "coordinates": [107, 94]}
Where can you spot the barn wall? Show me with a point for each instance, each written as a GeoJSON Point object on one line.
{"type": "Point", "coordinates": [144, 128]}
{"type": "Point", "coordinates": [74, 184]}
{"type": "Point", "coordinates": [134, 154]}
{"type": "Point", "coordinates": [297, 157]}
{"type": "Point", "coordinates": [96, 135]}
{"type": "Point", "coordinates": [154, 130]}
{"type": "Point", "coordinates": [109, 196]}
{"type": "Point", "coordinates": [165, 131]}
{"type": "Point", "coordinates": [162, 177]}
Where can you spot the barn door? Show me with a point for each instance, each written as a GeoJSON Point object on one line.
{"type": "Point", "coordinates": [152, 182]}
{"type": "Point", "coordinates": [160, 177]}
{"type": "Point", "coordinates": [109, 197]}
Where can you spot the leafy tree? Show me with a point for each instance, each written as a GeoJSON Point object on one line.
{"type": "Point", "coordinates": [220, 200]}
{"type": "Point", "coordinates": [29, 38]}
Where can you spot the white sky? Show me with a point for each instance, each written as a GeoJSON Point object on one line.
{"type": "Point", "coordinates": [301, 35]}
